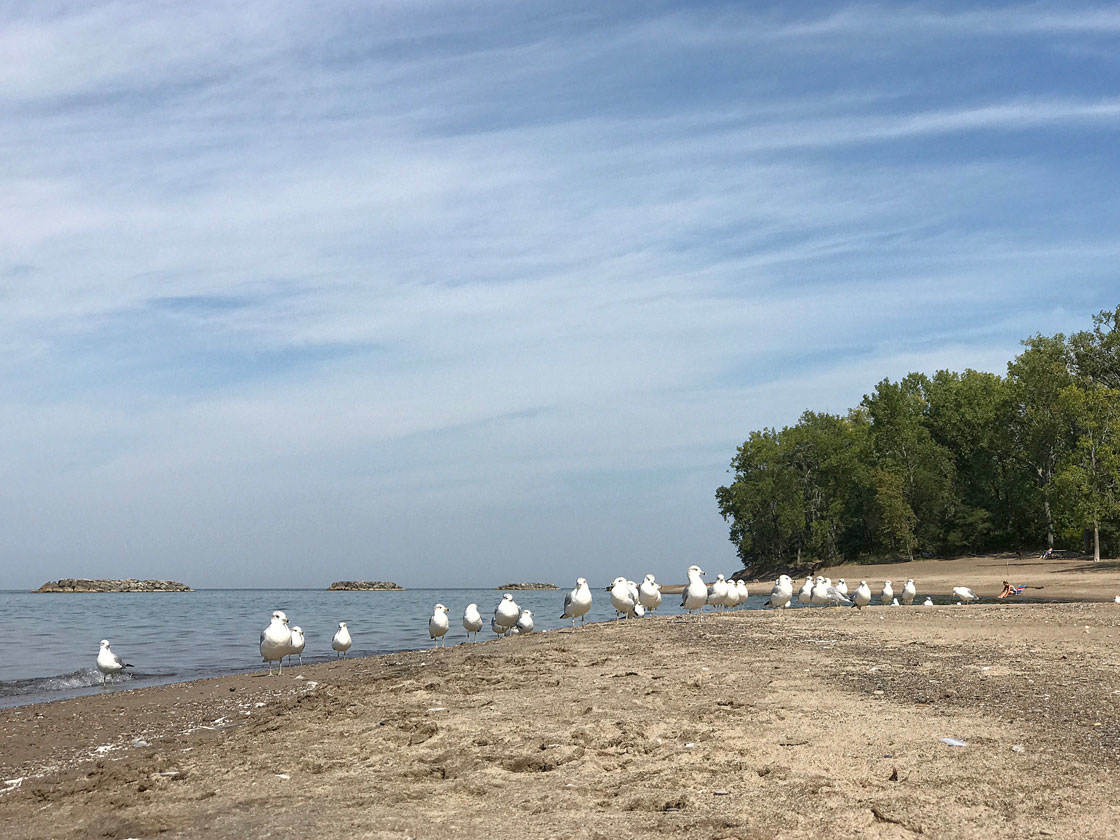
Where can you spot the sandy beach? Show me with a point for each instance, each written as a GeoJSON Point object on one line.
{"type": "Point", "coordinates": [814, 723]}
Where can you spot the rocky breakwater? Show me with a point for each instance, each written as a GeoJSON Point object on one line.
{"type": "Point", "coordinates": [525, 585]}
{"type": "Point", "coordinates": [359, 585]}
{"type": "Point", "coordinates": [100, 585]}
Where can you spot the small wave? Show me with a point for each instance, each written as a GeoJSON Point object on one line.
{"type": "Point", "coordinates": [85, 678]}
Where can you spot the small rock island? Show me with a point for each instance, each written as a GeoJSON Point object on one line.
{"type": "Point", "coordinates": [527, 585]}
{"type": "Point", "coordinates": [361, 585]}
{"type": "Point", "coordinates": [102, 585]}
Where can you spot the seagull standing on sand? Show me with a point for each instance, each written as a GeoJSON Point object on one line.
{"type": "Point", "coordinates": [649, 593]}
{"type": "Point", "coordinates": [622, 598]}
{"type": "Point", "coordinates": [731, 599]}
{"type": "Point", "coordinates": [909, 592]}
{"type": "Point", "coordinates": [842, 587]}
{"type": "Point", "coordinates": [524, 624]}
{"type": "Point", "coordinates": [887, 594]}
{"type": "Point", "coordinates": [472, 621]}
{"type": "Point", "coordinates": [577, 602]}
{"type": "Point", "coordinates": [782, 593]}
{"type": "Point", "coordinates": [108, 662]}
{"type": "Point", "coordinates": [695, 595]}
{"type": "Point", "coordinates": [341, 641]}
{"type": "Point", "coordinates": [499, 630]}
{"type": "Point", "coordinates": [297, 645]}
{"type": "Point", "coordinates": [438, 624]}
{"type": "Point", "coordinates": [276, 641]}
{"type": "Point", "coordinates": [717, 593]}
{"type": "Point", "coordinates": [805, 594]}
{"type": "Point", "coordinates": [741, 585]}
{"type": "Point", "coordinates": [928, 602]}
{"type": "Point", "coordinates": [963, 593]}
{"type": "Point", "coordinates": [818, 595]}
{"type": "Point", "coordinates": [506, 613]}
{"type": "Point", "coordinates": [862, 596]}
{"type": "Point", "coordinates": [835, 596]}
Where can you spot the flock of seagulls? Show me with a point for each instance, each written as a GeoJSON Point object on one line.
{"type": "Point", "coordinates": [628, 598]}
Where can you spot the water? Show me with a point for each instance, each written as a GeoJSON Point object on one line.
{"type": "Point", "coordinates": [50, 640]}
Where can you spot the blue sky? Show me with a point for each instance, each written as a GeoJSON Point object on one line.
{"type": "Point", "coordinates": [464, 292]}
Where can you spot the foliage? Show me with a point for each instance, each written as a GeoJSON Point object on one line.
{"type": "Point", "coordinates": [956, 462]}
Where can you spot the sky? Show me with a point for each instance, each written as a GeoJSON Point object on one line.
{"type": "Point", "coordinates": [458, 293]}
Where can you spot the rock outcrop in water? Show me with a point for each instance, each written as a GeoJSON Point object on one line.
{"type": "Point", "coordinates": [349, 585]}
{"type": "Point", "coordinates": [101, 585]}
{"type": "Point", "coordinates": [525, 585]}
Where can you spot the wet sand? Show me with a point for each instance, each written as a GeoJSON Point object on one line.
{"type": "Point", "coordinates": [815, 723]}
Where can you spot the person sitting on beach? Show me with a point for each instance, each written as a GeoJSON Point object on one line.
{"type": "Point", "coordinates": [1010, 591]}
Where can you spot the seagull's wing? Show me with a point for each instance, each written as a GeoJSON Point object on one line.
{"type": "Point", "coordinates": [567, 603]}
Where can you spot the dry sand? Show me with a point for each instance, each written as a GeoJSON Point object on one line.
{"type": "Point", "coordinates": [816, 723]}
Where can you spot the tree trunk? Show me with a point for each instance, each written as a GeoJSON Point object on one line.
{"type": "Point", "coordinates": [1049, 523]}
{"type": "Point", "coordinates": [1096, 540]}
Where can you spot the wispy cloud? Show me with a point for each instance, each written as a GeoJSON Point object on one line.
{"type": "Point", "coordinates": [293, 282]}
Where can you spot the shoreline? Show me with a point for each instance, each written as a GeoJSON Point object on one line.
{"type": "Point", "coordinates": [557, 731]}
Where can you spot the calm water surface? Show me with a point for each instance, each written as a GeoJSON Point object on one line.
{"type": "Point", "coordinates": [50, 640]}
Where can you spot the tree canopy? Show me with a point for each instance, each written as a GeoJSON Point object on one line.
{"type": "Point", "coordinates": [948, 464]}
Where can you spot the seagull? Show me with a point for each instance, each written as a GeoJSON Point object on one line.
{"type": "Point", "coordinates": [717, 592]}
{"type": "Point", "coordinates": [341, 641]}
{"type": "Point", "coordinates": [965, 594]}
{"type": "Point", "coordinates": [805, 594]}
{"type": "Point", "coordinates": [842, 587]}
{"type": "Point", "coordinates": [108, 662]}
{"type": "Point", "coordinates": [472, 621]}
{"type": "Point", "coordinates": [499, 630]}
{"type": "Point", "coordinates": [863, 595]}
{"type": "Point", "coordinates": [909, 592]}
{"type": "Point", "coordinates": [835, 596]}
{"type": "Point", "coordinates": [639, 611]}
{"type": "Point", "coordinates": [649, 593]}
{"type": "Point", "coordinates": [887, 594]}
{"type": "Point", "coordinates": [782, 593]}
{"type": "Point", "coordinates": [524, 623]}
{"type": "Point", "coordinates": [577, 602]}
{"type": "Point", "coordinates": [818, 595]}
{"type": "Point", "coordinates": [894, 602]}
{"type": "Point", "coordinates": [731, 599]}
{"type": "Point", "coordinates": [438, 624]}
{"type": "Point", "coordinates": [276, 640]}
{"type": "Point", "coordinates": [506, 613]}
{"type": "Point", "coordinates": [695, 595]}
{"type": "Point", "coordinates": [1116, 600]}
{"type": "Point", "coordinates": [741, 585]}
{"type": "Point", "coordinates": [928, 602]}
{"type": "Point", "coordinates": [622, 599]}
{"type": "Point", "coordinates": [297, 645]}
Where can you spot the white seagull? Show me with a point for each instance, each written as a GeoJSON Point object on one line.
{"type": "Point", "coordinates": [928, 602]}
{"type": "Point", "coordinates": [805, 593]}
{"type": "Point", "coordinates": [695, 595]}
{"type": "Point", "coordinates": [887, 594]}
{"type": "Point", "coordinates": [622, 598]}
{"type": "Point", "coordinates": [842, 586]}
{"type": "Point", "coordinates": [499, 630]}
{"type": "Point", "coordinates": [818, 595]}
{"type": "Point", "coordinates": [438, 624]}
{"type": "Point", "coordinates": [782, 593]}
{"type": "Point", "coordinates": [965, 594]}
{"type": "Point", "coordinates": [909, 592]}
{"type": "Point", "coordinates": [717, 593]}
{"type": "Point", "coordinates": [341, 641]}
{"type": "Point", "coordinates": [577, 602]}
{"type": "Point", "coordinates": [731, 599]}
{"type": "Point", "coordinates": [649, 593]}
{"type": "Point", "coordinates": [741, 585]}
{"type": "Point", "coordinates": [472, 621]}
{"type": "Point", "coordinates": [506, 613]}
{"type": "Point", "coordinates": [524, 623]}
{"type": "Point", "coordinates": [276, 639]}
{"type": "Point", "coordinates": [108, 662]}
{"type": "Point", "coordinates": [835, 596]}
{"type": "Point", "coordinates": [297, 645]}
{"type": "Point", "coordinates": [862, 596]}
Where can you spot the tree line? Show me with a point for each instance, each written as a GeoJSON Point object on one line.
{"type": "Point", "coordinates": [955, 463]}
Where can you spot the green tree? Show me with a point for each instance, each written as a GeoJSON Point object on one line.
{"type": "Point", "coordinates": [1039, 423]}
{"type": "Point", "coordinates": [892, 518]}
{"type": "Point", "coordinates": [1096, 352]}
{"type": "Point", "coordinates": [1089, 480]}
